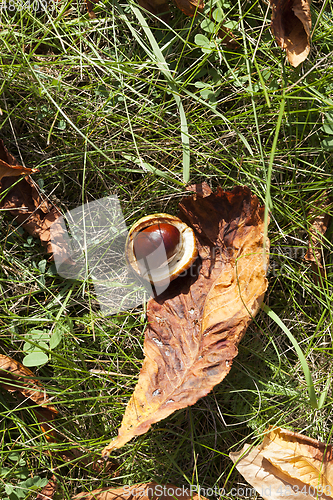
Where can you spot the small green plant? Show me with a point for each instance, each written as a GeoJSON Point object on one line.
{"type": "Point", "coordinates": [327, 128]}
{"type": "Point", "coordinates": [17, 483]}
{"type": "Point", "coordinates": [39, 342]}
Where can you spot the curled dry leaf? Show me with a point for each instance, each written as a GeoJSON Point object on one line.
{"type": "Point", "coordinates": [143, 491]}
{"type": "Point", "coordinates": [25, 203]}
{"type": "Point", "coordinates": [287, 464]}
{"type": "Point", "coordinates": [291, 25]}
{"type": "Point", "coordinates": [319, 219]}
{"type": "Point", "coordinates": [14, 170]}
{"type": "Point", "coordinates": [90, 8]}
{"type": "Point", "coordinates": [16, 377]}
{"type": "Point", "coordinates": [197, 323]}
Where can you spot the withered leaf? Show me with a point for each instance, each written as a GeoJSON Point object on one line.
{"type": "Point", "coordinates": [49, 490]}
{"type": "Point", "coordinates": [7, 170]}
{"type": "Point", "coordinates": [16, 377]}
{"type": "Point", "coordinates": [90, 8]}
{"type": "Point", "coordinates": [156, 7]}
{"type": "Point", "coordinates": [197, 323]}
{"type": "Point", "coordinates": [319, 219]}
{"type": "Point", "coordinates": [287, 461]}
{"type": "Point", "coordinates": [142, 491]}
{"type": "Point", "coordinates": [291, 25]}
{"type": "Point", "coordinates": [228, 38]}
{"type": "Point", "coordinates": [27, 205]}
{"type": "Point", "coordinates": [190, 7]}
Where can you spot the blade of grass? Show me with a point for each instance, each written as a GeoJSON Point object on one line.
{"type": "Point", "coordinates": [163, 67]}
{"type": "Point", "coordinates": [147, 166]}
{"type": "Point", "coordinates": [307, 373]}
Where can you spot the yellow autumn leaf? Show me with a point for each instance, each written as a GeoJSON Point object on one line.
{"type": "Point", "coordinates": [287, 465]}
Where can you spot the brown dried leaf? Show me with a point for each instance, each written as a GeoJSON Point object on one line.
{"type": "Point", "coordinates": [197, 323]}
{"type": "Point", "coordinates": [156, 7]}
{"type": "Point", "coordinates": [16, 377]}
{"type": "Point", "coordinates": [143, 491]}
{"type": "Point", "coordinates": [291, 25]}
{"type": "Point", "coordinates": [49, 490]}
{"type": "Point", "coordinates": [190, 7]}
{"type": "Point", "coordinates": [90, 8]}
{"type": "Point", "coordinates": [7, 170]}
{"type": "Point", "coordinates": [228, 38]}
{"type": "Point", "coordinates": [33, 211]}
{"type": "Point", "coordinates": [319, 219]}
{"type": "Point", "coordinates": [287, 462]}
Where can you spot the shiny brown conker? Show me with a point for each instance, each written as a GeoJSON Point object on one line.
{"type": "Point", "coordinates": [158, 242]}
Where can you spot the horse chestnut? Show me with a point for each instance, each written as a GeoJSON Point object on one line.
{"type": "Point", "coordinates": [159, 241]}
{"type": "Point", "coordinates": [160, 247]}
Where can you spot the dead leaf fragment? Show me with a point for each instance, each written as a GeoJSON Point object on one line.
{"type": "Point", "coordinates": [49, 490]}
{"type": "Point", "coordinates": [156, 7]}
{"type": "Point", "coordinates": [24, 201]}
{"type": "Point", "coordinates": [287, 464]}
{"type": "Point", "coordinates": [7, 170]}
{"type": "Point", "coordinates": [90, 8]}
{"type": "Point", "coordinates": [16, 377]}
{"type": "Point", "coordinates": [197, 323]}
{"type": "Point", "coordinates": [291, 25]}
{"type": "Point", "coordinates": [190, 7]}
{"type": "Point", "coordinates": [142, 491]}
{"type": "Point", "coordinates": [319, 219]}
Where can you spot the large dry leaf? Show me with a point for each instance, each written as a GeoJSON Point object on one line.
{"type": "Point", "coordinates": [291, 25]}
{"type": "Point", "coordinates": [319, 219]}
{"type": "Point", "coordinates": [142, 491]}
{"type": "Point", "coordinates": [286, 465]}
{"type": "Point", "coordinates": [27, 205]}
{"type": "Point", "coordinates": [196, 325]}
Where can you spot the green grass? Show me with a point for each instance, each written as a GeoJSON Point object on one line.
{"type": "Point", "coordinates": [128, 105]}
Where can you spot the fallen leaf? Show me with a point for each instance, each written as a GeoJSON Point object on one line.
{"type": "Point", "coordinates": [7, 170]}
{"type": "Point", "coordinates": [190, 7]}
{"type": "Point", "coordinates": [291, 25]}
{"type": "Point", "coordinates": [49, 490]}
{"type": "Point", "coordinates": [156, 7]}
{"type": "Point", "coordinates": [23, 200]}
{"type": "Point", "coordinates": [197, 323]}
{"type": "Point", "coordinates": [319, 219]}
{"type": "Point", "coordinates": [287, 464]}
{"type": "Point", "coordinates": [90, 8]}
{"type": "Point", "coordinates": [14, 377]}
{"type": "Point", "coordinates": [142, 491]}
